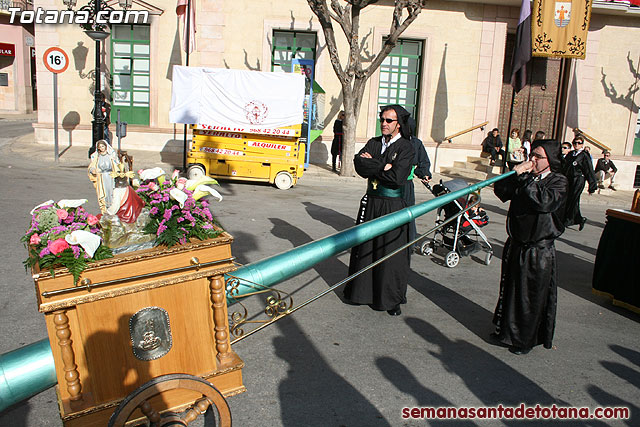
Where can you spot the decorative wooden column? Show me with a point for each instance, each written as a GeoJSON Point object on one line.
{"type": "Point", "coordinates": [71, 375]}
{"type": "Point", "coordinates": [223, 346]}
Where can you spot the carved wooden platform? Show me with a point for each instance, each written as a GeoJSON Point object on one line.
{"type": "Point", "coordinates": [92, 327]}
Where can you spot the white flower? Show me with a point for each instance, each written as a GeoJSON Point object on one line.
{"type": "Point", "coordinates": [150, 173]}
{"type": "Point", "coordinates": [178, 195]}
{"type": "Point", "coordinates": [48, 202]}
{"type": "Point", "coordinates": [202, 190]}
{"type": "Point", "coordinates": [66, 203]}
{"type": "Point", "coordinates": [88, 241]}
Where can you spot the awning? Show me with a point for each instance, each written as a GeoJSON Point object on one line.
{"type": "Point", "coordinates": [7, 49]}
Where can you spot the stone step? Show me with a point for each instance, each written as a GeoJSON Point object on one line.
{"type": "Point", "coordinates": [482, 160]}
{"type": "Point", "coordinates": [464, 173]}
{"type": "Point", "coordinates": [472, 166]}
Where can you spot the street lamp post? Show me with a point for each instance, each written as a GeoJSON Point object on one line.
{"type": "Point", "coordinates": [96, 30]}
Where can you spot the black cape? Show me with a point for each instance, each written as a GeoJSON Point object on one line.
{"type": "Point", "coordinates": [422, 170]}
{"type": "Point", "coordinates": [526, 310]}
{"type": "Point", "coordinates": [578, 170]}
{"type": "Point", "coordinates": [384, 286]}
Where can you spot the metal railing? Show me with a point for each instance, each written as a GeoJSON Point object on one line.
{"type": "Point", "coordinates": [590, 139]}
{"type": "Point", "coordinates": [455, 135]}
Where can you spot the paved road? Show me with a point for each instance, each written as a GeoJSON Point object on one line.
{"type": "Point", "coordinates": [332, 364]}
{"type": "Point", "coordinates": [12, 128]}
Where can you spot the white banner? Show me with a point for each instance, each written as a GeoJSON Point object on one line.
{"type": "Point", "coordinates": [236, 98]}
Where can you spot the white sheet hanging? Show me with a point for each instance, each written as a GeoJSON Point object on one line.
{"type": "Point", "coordinates": [236, 98]}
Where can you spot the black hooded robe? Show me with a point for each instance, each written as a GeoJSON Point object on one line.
{"type": "Point", "coordinates": [526, 310]}
{"type": "Point", "coordinates": [577, 169]}
{"type": "Point", "coordinates": [384, 286]}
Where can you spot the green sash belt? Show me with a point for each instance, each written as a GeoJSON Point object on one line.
{"type": "Point", "coordinates": [383, 191]}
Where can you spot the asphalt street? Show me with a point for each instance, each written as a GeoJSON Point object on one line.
{"type": "Point", "coordinates": [332, 364]}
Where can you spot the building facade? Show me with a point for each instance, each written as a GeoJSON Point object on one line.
{"type": "Point", "coordinates": [450, 68]}
{"type": "Point", "coordinates": [17, 61]}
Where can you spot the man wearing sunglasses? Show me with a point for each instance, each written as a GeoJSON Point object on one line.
{"type": "Point", "coordinates": [605, 169]}
{"type": "Point", "coordinates": [526, 309]}
{"type": "Point", "coordinates": [578, 169]}
{"type": "Point", "coordinates": [386, 162]}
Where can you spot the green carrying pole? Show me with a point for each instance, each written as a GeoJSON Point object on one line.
{"type": "Point", "coordinates": [30, 370]}
{"type": "Point", "coordinates": [283, 266]}
{"type": "Point", "coordinates": [26, 372]}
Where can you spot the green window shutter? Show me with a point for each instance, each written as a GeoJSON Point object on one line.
{"type": "Point", "coordinates": [287, 45]}
{"type": "Point", "coordinates": [130, 70]}
{"type": "Point", "coordinates": [400, 77]}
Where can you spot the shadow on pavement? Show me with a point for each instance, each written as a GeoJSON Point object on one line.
{"type": "Point", "coordinates": [313, 394]}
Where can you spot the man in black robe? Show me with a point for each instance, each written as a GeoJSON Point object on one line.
{"type": "Point", "coordinates": [578, 168]}
{"type": "Point", "coordinates": [525, 315]}
{"type": "Point", "coordinates": [386, 162]}
{"type": "Point", "coordinates": [421, 169]}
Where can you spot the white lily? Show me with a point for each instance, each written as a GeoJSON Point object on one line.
{"type": "Point", "coordinates": [88, 241]}
{"type": "Point", "coordinates": [150, 173]}
{"type": "Point", "coordinates": [179, 196]}
{"type": "Point", "coordinates": [74, 203]}
{"type": "Point", "coordinates": [48, 202]}
{"type": "Point", "coordinates": [202, 190]}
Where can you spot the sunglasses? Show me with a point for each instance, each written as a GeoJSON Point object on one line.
{"type": "Point", "coordinates": [382, 120]}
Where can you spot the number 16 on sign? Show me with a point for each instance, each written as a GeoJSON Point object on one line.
{"type": "Point", "coordinates": [56, 61]}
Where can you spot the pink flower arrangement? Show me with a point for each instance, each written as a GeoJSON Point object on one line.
{"type": "Point", "coordinates": [57, 246]}
{"type": "Point", "coordinates": [173, 221]}
{"type": "Point", "coordinates": [46, 238]}
{"type": "Point", "coordinates": [92, 219]}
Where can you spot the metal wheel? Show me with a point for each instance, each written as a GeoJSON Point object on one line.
{"type": "Point", "coordinates": [426, 248]}
{"type": "Point", "coordinates": [452, 259]}
{"type": "Point", "coordinates": [283, 180]}
{"type": "Point", "coordinates": [195, 172]}
{"type": "Point", "coordinates": [487, 258]}
{"type": "Point", "coordinates": [139, 399]}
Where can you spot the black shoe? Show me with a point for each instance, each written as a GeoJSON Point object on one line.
{"type": "Point", "coordinates": [583, 221]}
{"type": "Point", "coordinates": [519, 350]}
{"type": "Point", "coordinates": [395, 311]}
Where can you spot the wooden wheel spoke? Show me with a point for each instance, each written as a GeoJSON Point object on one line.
{"type": "Point", "coordinates": [139, 399]}
{"type": "Point", "coordinates": [199, 408]}
{"type": "Point", "coordinates": [148, 411]}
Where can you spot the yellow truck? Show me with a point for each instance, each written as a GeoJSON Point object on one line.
{"type": "Point", "coordinates": [273, 155]}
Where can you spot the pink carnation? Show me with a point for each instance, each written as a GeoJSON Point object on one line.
{"type": "Point", "coordinates": [62, 214]}
{"type": "Point", "coordinates": [175, 174]}
{"type": "Point", "coordinates": [57, 246]}
{"type": "Point", "coordinates": [153, 186]}
{"type": "Point", "coordinates": [35, 239]}
{"type": "Point", "coordinates": [92, 220]}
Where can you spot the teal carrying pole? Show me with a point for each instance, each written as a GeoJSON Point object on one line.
{"type": "Point", "coordinates": [30, 370]}
{"type": "Point", "coordinates": [278, 268]}
{"type": "Point", "coordinates": [26, 372]}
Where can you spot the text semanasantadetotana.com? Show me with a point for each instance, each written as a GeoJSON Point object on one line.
{"type": "Point", "coordinates": [516, 412]}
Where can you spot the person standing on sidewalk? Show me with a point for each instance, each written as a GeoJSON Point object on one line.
{"type": "Point", "coordinates": [578, 169]}
{"type": "Point", "coordinates": [386, 162]}
{"type": "Point", "coordinates": [336, 145]}
{"type": "Point", "coordinates": [526, 310]}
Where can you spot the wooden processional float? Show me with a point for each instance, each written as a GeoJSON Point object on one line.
{"type": "Point", "coordinates": [94, 381]}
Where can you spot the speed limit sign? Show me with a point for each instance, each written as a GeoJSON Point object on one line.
{"type": "Point", "coordinates": [56, 60]}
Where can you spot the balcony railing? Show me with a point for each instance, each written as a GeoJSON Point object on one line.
{"type": "Point", "coordinates": [20, 4]}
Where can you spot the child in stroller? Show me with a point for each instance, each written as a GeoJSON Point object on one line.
{"type": "Point", "coordinates": [461, 236]}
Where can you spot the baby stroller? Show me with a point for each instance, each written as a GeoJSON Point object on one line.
{"type": "Point", "coordinates": [462, 236]}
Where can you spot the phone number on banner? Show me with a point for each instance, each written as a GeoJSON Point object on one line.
{"type": "Point", "coordinates": [269, 131]}
{"type": "Point", "coordinates": [222, 151]}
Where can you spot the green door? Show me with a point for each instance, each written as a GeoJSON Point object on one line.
{"type": "Point", "coordinates": [130, 65]}
{"type": "Point", "coordinates": [400, 77]}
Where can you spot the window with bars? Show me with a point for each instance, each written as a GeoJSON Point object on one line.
{"type": "Point", "coordinates": [287, 45]}
{"type": "Point", "coordinates": [400, 77]}
{"type": "Point", "coordinates": [130, 70]}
